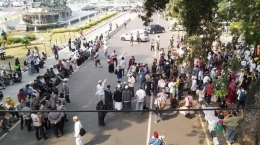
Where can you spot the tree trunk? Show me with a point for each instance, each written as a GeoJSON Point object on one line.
{"type": "Point", "coordinates": [249, 131]}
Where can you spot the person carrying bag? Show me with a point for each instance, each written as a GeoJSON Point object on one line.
{"type": "Point", "coordinates": [79, 131]}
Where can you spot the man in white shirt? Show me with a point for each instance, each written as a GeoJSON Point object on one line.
{"type": "Point", "coordinates": [161, 84]}
{"type": "Point", "coordinates": [100, 90]}
{"type": "Point", "coordinates": [140, 96]}
{"type": "Point", "coordinates": [193, 86]}
{"type": "Point", "coordinates": [158, 114]}
{"type": "Point", "coordinates": [131, 82]}
{"type": "Point", "coordinates": [1, 52]}
{"type": "Point", "coordinates": [105, 50]}
{"type": "Point", "coordinates": [122, 63]}
{"type": "Point", "coordinates": [114, 56]}
{"type": "Point", "coordinates": [157, 42]}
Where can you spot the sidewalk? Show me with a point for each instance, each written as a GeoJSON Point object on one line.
{"type": "Point", "coordinates": [13, 90]}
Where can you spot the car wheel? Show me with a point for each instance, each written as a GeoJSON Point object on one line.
{"type": "Point", "coordinates": [153, 32]}
{"type": "Point", "coordinates": [163, 31]}
{"type": "Point", "coordinates": [122, 38]}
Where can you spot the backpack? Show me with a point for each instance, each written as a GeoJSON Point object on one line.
{"type": "Point", "coordinates": [242, 95]}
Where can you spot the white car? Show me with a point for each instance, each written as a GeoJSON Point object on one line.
{"type": "Point", "coordinates": [17, 4]}
{"type": "Point", "coordinates": [144, 35]}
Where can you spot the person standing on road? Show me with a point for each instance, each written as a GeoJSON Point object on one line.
{"type": "Point", "coordinates": [159, 103]}
{"type": "Point", "coordinates": [77, 127]}
{"type": "Point", "coordinates": [122, 63]}
{"type": "Point", "coordinates": [140, 96]}
{"type": "Point", "coordinates": [125, 24]}
{"type": "Point", "coordinates": [152, 44]}
{"type": "Point", "coordinates": [97, 59]}
{"type": "Point", "coordinates": [37, 120]}
{"type": "Point", "coordinates": [131, 82]}
{"type": "Point", "coordinates": [110, 26]}
{"type": "Point", "coordinates": [126, 97]}
{"type": "Point", "coordinates": [65, 90]}
{"type": "Point", "coordinates": [100, 90]}
{"type": "Point", "coordinates": [109, 98]}
{"type": "Point", "coordinates": [114, 56]}
{"type": "Point", "coordinates": [131, 39]}
{"type": "Point", "coordinates": [27, 117]}
{"type": "Point", "coordinates": [118, 97]}
{"type": "Point", "coordinates": [55, 120]}
{"type": "Point", "coordinates": [158, 42]}
{"type": "Point", "coordinates": [138, 37]}
{"type": "Point", "coordinates": [101, 115]}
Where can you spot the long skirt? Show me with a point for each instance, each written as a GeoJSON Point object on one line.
{"type": "Point", "coordinates": [118, 105]}
{"type": "Point", "coordinates": [111, 68]}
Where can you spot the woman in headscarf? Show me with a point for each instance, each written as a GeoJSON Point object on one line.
{"type": "Point", "coordinates": [110, 64]}
{"type": "Point", "coordinates": [231, 92]}
{"type": "Point", "coordinates": [101, 115]}
{"type": "Point", "coordinates": [109, 98]}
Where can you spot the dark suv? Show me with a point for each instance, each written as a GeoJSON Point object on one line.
{"type": "Point", "coordinates": [155, 28]}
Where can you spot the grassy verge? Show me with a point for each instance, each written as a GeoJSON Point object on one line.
{"type": "Point", "coordinates": [48, 39]}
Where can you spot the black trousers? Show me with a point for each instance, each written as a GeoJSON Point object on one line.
{"type": "Point", "coordinates": [240, 103]}
{"type": "Point", "coordinates": [115, 60]}
{"type": "Point", "coordinates": [29, 124]}
{"type": "Point", "coordinates": [67, 97]}
{"type": "Point", "coordinates": [56, 127]}
{"type": "Point", "coordinates": [22, 121]}
{"type": "Point", "coordinates": [148, 88]}
{"type": "Point", "coordinates": [46, 123]}
{"type": "Point", "coordinates": [38, 131]}
{"type": "Point", "coordinates": [101, 121]}
{"type": "Point", "coordinates": [208, 98]}
{"type": "Point", "coordinates": [62, 122]}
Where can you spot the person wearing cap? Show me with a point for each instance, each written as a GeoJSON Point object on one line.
{"type": "Point", "coordinates": [65, 90]}
{"type": "Point", "coordinates": [126, 98]}
{"type": "Point", "coordinates": [108, 98]}
{"type": "Point", "coordinates": [77, 127]}
{"type": "Point", "coordinates": [27, 116]}
{"type": "Point", "coordinates": [55, 120]}
{"type": "Point", "coordinates": [37, 120]}
{"type": "Point", "coordinates": [100, 90]}
{"type": "Point", "coordinates": [155, 139]}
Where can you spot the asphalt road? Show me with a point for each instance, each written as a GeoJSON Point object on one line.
{"type": "Point", "coordinates": [121, 128]}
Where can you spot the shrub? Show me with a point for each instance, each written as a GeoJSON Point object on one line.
{"type": "Point", "coordinates": [84, 26]}
{"type": "Point", "coordinates": [11, 39]}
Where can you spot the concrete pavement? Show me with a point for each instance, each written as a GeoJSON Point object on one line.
{"type": "Point", "coordinates": [121, 128]}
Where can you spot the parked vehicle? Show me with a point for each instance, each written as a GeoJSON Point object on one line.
{"type": "Point", "coordinates": [155, 28]}
{"type": "Point", "coordinates": [88, 8]}
{"type": "Point", "coordinates": [17, 4]}
{"type": "Point", "coordinates": [144, 35]}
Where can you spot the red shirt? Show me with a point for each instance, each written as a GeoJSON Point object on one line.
{"type": "Point", "coordinates": [21, 96]}
{"type": "Point", "coordinates": [209, 89]}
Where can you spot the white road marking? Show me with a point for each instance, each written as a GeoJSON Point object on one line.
{"type": "Point", "coordinates": [203, 127]}
{"type": "Point", "coordinates": [149, 121]}
{"type": "Point", "coordinates": [121, 55]}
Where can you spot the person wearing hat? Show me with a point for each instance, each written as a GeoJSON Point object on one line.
{"type": "Point", "coordinates": [37, 120]}
{"type": "Point", "coordinates": [131, 82]}
{"type": "Point", "coordinates": [126, 97]}
{"type": "Point", "coordinates": [27, 116]}
{"type": "Point", "coordinates": [108, 98]}
{"type": "Point", "coordinates": [101, 90]}
{"type": "Point", "coordinates": [65, 90]}
{"type": "Point", "coordinates": [55, 120]}
{"type": "Point", "coordinates": [118, 105]}
{"type": "Point", "coordinates": [155, 140]}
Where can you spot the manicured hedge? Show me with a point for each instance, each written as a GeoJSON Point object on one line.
{"type": "Point", "coordinates": [84, 26]}
{"type": "Point", "coordinates": [11, 39]}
